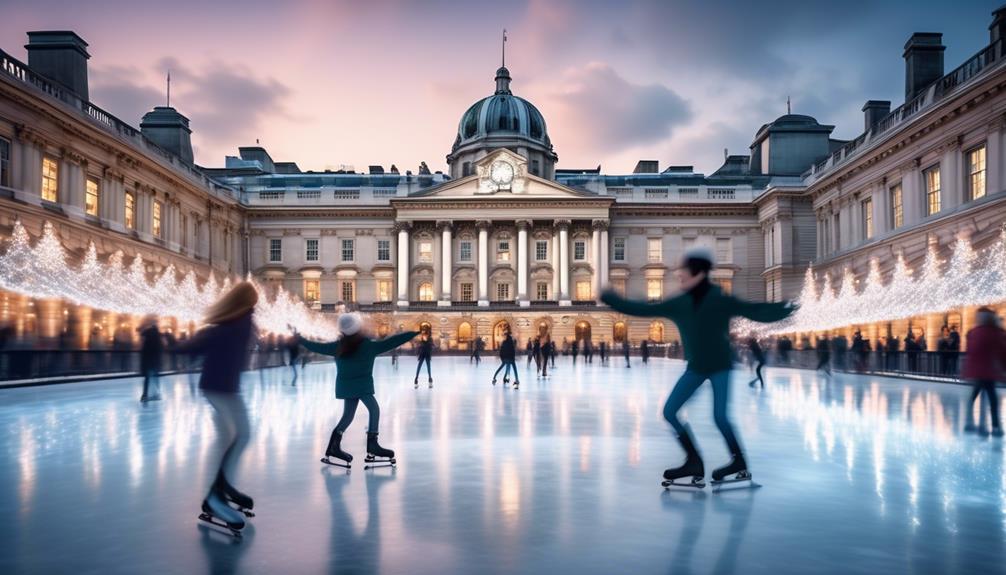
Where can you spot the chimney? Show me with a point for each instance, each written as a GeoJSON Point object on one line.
{"type": "Point", "coordinates": [923, 62]}
{"type": "Point", "coordinates": [60, 56]}
{"type": "Point", "coordinates": [646, 167]}
{"type": "Point", "coordinates": [168, 129]}
{"type": "Point", "coordinates": [997, 29]}
{"type": "Point", "coordinates": [874, 111]}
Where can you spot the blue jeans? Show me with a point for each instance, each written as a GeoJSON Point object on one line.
{"type": "Point", "coordinates": [349, 412]}
{"type": "Point", "coordinates": [686, 387]}
{"type": "Point", "coordinates": [507, 364]}
{"type": "Point", "coordinates": [419, 366]}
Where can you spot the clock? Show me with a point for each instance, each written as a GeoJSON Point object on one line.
{"type": "Point", "coordinates": [501, 173]}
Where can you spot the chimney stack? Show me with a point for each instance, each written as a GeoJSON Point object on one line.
{"type": "Point", "coordinates": [60, 56]}
{"type": "Point", "coordinates": [168, 129]}
{"type": "Point", "coordinates": [923, 62]}
{"type": "Point", "coordinates": [874, 111]}
{"type": "Point", "coordinates": [997, 29]}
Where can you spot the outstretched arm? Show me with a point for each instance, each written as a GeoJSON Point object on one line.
{"type": "Point", "coordinates": [390, 343]}
{"type": "Point", "coordinates": [637, 308]}
{"type": "Point", "coordinates": [330, 348]}
{"type": "Point", "coordinates": [761, 312]}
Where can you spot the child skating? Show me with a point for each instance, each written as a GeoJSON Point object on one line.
{"type": "Point", "coordinates": [425, 354]}
{"type": "Point", "coordinates": [508, 359]}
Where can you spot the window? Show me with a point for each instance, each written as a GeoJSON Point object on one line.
{"type": "Point", "coordinates": [656, 332]}
{"type": "Point", "coordinates": [383, 290]}
{"type": "Point", "coordinates": [156, 219]}
{"type": "Point", "coordinates": [502, 292]}
{"type": "Point", "coordinates": [541, 291]}
{"type": "Point", "coordinates": [348, 249]}
{"type": "Point", "coordinates": [465, 251]}
{"type": "Point", "coordinates": [727, 285]}
{"type": "Point", "coordinates": [541, 250]}
{"type": "Point", "coordinates": [50, 179]}
{"type": "Point", "coordinates": [534, 167]}
{"type": "Point", "coordinates": [426, 291]}
{"type": "Point", "coordinates": [4, 163]}
{"type": "Point", "coordinates": [579, 250]}
{"type": "Point", "coordinates": [130, 211]}
{"type": "Point", "coordinates": [466, 169]}
{"type": "Point", "coordinates": [312, 290]}
{"type": "Point", "coordinates": [503, 250]}
{"type": "Point", "coordinates": [897, 209]}
{"type": "Point", "coordinates": [654, 251]}
{"type": "Point", "coordinates": [619, 286]}
{"type": "Point", "coordinates": [348, 291]}
{"type": "Point", "coordinates": [654, 289]}
{"type": "Point", "coordinates": [976, 173]}
{"type": "Point", "coordinates": [583, 291]}
{"type": "Point", "coordinates": [867, 207]}
{"type": "Point", "coordinates": [932, 179]}
{"type": "Point", "coordinates": [838, 231]}
{"type": "Point", "coordinates": [311, 249]}
{"type": "Point", "coordinates": [618, 250]}
{"type": "Point", "coordinates": [426, 251]}
{"type": "Point", "coordinates": [91, 197]}
{"type": "Point", "coordinates": [384, 250]}
{"type": "Point", "coordinates": [185, 231]}
{"type": "Point", "coordinates": [467, 291]}
{"type": "Point", "coordinates": [724, 251]}
{"type": "Point", "coordinates": [275, 250]}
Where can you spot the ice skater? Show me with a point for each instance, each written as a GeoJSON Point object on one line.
{"type": "Point", "coordinates": [759, 358]}
{"type": "Point", "coordinates": [477, 348]}
{"type": "Point", "coordinates": [625, 351]}
{"type": "Point", "coordinates": [824, 355]}
{"type": "Point", "coordinates": [984, 365]}
{"type": "Point", "coordinates": [226, 346]}
{"type": "Point", "coordinates": [354, 355]}
{"type": "Point", "coordinates": [425, 353]}
{"type": "Point", "coordinates": [508, 359]}
{"type": "Point", "coordinates": [702, 314]}
{"type": "Point", "coordinates": [604, 352]}
{"type": "Point", "coordinates": [530, 351]}
{"type": "Point", "coordinates": [536, 351]}
{"type": "Point", "coordinates": [151, 350]}
{"type": "Point", "coordinates": [644, 351]}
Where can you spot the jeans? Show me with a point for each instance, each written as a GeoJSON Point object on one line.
{"type": "Point", "coordinates": [349, 412]}
{"type": "Point", "coordinates": [151, 378]}
{"type": "Point", "coordinates": [233, 429]}
{"type": "Point", "coordinates": [419, 366]}
{"type": "Point", "coordinates": [686, 387]}
{"type": "Point", "coordinates": [506, 374]}
{"type": "Point", "coordinates": [989, 387]}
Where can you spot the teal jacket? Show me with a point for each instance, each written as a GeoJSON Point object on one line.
{"type": "Point", "coordinates": [354, 375]}
{"type": "Point", "coordinates": [704, 329]}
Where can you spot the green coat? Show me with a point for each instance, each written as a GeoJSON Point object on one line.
{"type": "Point", "coordinates": [354, 375]}
{"type": "Point", "coordinates": [704, 330]}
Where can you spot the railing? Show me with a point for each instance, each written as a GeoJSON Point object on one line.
{"type": "Point", "coordinates": [934, 364]}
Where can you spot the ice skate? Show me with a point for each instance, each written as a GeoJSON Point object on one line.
{"type": "Point", "coordinates": [494, 381]}
{"type": "Point", "coordinates": [244, 503]}
{"type": "Point", "coordinates": [378, 456]}
{"type": "Point", "coordinates": [431, 383]}
{"type": "Point", "coordinates": [217, 512]}
{"type": "Point", "coordinates": [997, 432]}
{"type": "Point", "coordinates": [415, 384]}
{"type": "Point", "coordinates": [692, 467]}
{"type": "Point", "coordinates": [335, 451]}
{"type": "Point", "coordinates": [516, 384]}
{"type": "Point", "coordinates": [733, 472]}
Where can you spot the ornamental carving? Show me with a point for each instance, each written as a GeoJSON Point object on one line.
{"type": "Point", "coordinates": [561, 224]}
{"type": "Point", "coordinates": [524, 224]}
{"type": "Point", "coordinates": [401, 226]}
{"type": "Point", "coordinates": [599, 225]}
{"type": "Point", "coordinates": [444, 225]}
{"type": "Point", "coordinates": [364, 232]}
{"type": "Point", "coordinates": [672, 231]}
{"type": "Point", "coordinates": [483, 225]}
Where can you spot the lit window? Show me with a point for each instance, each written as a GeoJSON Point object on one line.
{"type": "Point", "coordinates": [311, 249]}
{"type": "Point", "coordinates": [91, 197]}
{"type": "Point", "coordinates": [541, 289]}
{"type": "Point", "coordinates": [467, 292]}
{"type": "Point", "coordinates": [897, 211]}
{"type": "Point", "coordinates": [275, 250]}
{"type": "Point", "coordinates": [348, 249]}
{"type": "Point", "coordinates": [654, 250]}
{"type": "Point", "coordinates": [541, 250]}
{"type": "Point", "coordinates": [503, 250]}
{"type": "Point", "coordinates": [579, 250]}
{"type": "Point", "coordinates": [156, 219]}
{"type": "Point", "coordinates": [654, 289]}
{"type": "Point", "coordinates": [384, 250]}
{"type": "Point", "coordinates": [426, 251]}
{"type": "Point", "coordinates": [383, 290]}
{"type": "Point", "coordinates": [868, 218]}
{"type": "Point", "coordinates": [50, 179]}
{"type": "Point", "coordinates": [312, 290]}
{"type": "Point", "coordinates": [4, 163]}
{"type": "Point", "coordinates": [465, 251]}
{"type": "Point", "coordinates": [932, 179]}
{"type": "Point", "coordinates": [583, 291]}
{"type": "Point", "coordinates": [725, 284]}
{"type": "Point", "coordinates": [502, 292]}
{"type": "Point", "coordinates": [426, 291]}
{"type": "Point", "coordinates": [618, 250]}
{"type": "Point", "coordinates": [619, 286]}
{"type": "Point", "coordinates": [130, 211]}
{"type": "Point", "coordinates": [656, 333]}
{"type": "Point", "coordinates": [724, 251]}
{"type": "Point", "coordinates": [976, 173]}
{"type": "Point", "coordinates": [348, 292]}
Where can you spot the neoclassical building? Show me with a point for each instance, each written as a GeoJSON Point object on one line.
{"type": "Point", "coordinates": [504, 236]}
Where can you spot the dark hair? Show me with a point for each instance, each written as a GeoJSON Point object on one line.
{"type": "Point", "coordinates": [348, 344]}
{"type": "Point", "coordinates": [698, 265]}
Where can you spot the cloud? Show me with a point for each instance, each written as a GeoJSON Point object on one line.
{"type": "Point", "coordinates": [598, 110]}
{"type": "Point", "coordinates": [120, 91]}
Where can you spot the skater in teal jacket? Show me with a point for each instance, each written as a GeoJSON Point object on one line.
{"type": "Point", "coordinates": [702, 314]}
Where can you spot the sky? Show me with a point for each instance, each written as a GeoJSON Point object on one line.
{"type": "Point", "coordinates": [339, 83]}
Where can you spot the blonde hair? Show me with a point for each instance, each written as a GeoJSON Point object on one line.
{"type": "Point", "coordinates": [234, 304]}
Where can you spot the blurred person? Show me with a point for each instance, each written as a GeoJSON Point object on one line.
{"type": "Point", "coordinates": [985, 364]}
{"type": "Point", "coordinates": [424, 354]}
{"type": "Point", "coordinates": [508, 359]}
{"type": "Point", "coordinates": [758, 357]}
{"type": "Point", "coordinates": [151, 351]}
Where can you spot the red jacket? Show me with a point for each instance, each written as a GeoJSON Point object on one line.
{"type": "Point", "coordinates": [986, 357]}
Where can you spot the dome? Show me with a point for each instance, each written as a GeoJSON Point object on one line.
{"type": "Point", "coordinates": [502, 114]}
{"type": "Point", "coordinates": [795, 120]}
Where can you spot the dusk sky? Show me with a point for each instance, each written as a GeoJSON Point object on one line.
{"type": "Point", "coordinates": [331, 83]}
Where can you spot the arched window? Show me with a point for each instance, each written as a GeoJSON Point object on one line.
{"type": "Point", "coordinates": [657, 332]}
{"type": "Point", "coordinates": [618, 331]}
{"type": "Point", "coordinates": [581, 330]}
{"type": "Point", "coordinates": [464, 332]}
{"type": "Point", "coordinates": [426, 291]}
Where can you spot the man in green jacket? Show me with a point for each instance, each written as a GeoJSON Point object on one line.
{"type": "Point", "coordinates": [702, 314]}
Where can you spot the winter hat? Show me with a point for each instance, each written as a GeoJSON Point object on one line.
{"type": "Point", "coordinates": [700, 253]}
{"type": "Point", "coordinates": [350, 323]}
{"type": "Point", "coordinates": [234, 304]}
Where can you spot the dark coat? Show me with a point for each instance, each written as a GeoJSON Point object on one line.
{"type": "Point", "coordinates": [508, 349]}
{"type": "Point", "coordinates": [425, 348]}
{"type": "Point", "coordinates": [151, 349]}
{"type": "Point", "coordinates": [354, 375]}
{"type": "Point", "coordinates": [226, 347]}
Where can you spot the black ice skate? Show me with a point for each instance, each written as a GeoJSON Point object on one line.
{"type": "Point", "coordinates": [335, 451]}
{"type": "Point", "coordinates": [244, 503]}
{"type": "Point", "coordinates": [431, 383]}
{"type": "Point", "coordinates": [217, 512]}
{"type": "Point", "coordinates": [416, 384]}
{"type": "Point", "coordinates": [692, 467]}
{"type": "Point", "coordinates": [516, 384]}
{"type": "Point", "coordinates": [378, 456]}
{"type": "Point", "coordinates": [733, 472]}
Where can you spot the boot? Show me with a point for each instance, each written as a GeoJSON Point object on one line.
{"type": "Point", "coordinates": [214, 506]}
{"type": "Point", "coordinates": [737, 466]}
{"type": "Point", "coordinates": [230, 493]}
{"type": "Point", "coordinates": [692, 467]}
{"type": "Point", "coordinates": [374, 449]}
{"type": "Point", "coordinates": [335, 447]}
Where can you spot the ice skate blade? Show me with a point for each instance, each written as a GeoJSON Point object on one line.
{"type": "Point", "coordinates": [327, 461]}
{"type": "Point", "coordinates": [207, 518]}
{"type": "Point", "coordinates": [239, 509]}
{"type": "Point", "coordinates": [695, 483]}
{"type": "Point", "coordinates": [378, 462]}
{"type": "Point", "coordinates": [742, 477]}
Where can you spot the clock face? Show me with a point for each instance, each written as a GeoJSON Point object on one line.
{"type": "Point", "coordinates": [501, 173]}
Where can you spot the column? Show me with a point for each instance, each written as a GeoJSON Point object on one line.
{"type": "Point", "coordinates": [951, 182]}
{"type": "Point", "coordinates": [595, 259]}
{"type": "Point", "coordinates": [934, 323]}
{"type": "Point", "coordinates": [522, 226]}
{"type": "Point", "coordinates": [403, 263]}
{"type": "Point", "coordinates": [446, 267]}
{"type": "Point", "coordinates": [993, 158]}
{"type": "Point", "coordinates": [564, 299]}
{"type": "Point", "coordinates": [483, 227]}
{"type": "Point", "coordinates": [555, 264]}
{"type": "Point", "coordinates": [605, 279]}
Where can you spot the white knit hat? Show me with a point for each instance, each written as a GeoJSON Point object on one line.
{"type": "Point", "coordinates": [700, 253]}
{"type": "Point", "coordinates": [350, 323]}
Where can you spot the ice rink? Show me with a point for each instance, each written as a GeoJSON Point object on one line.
{"type": "Point", "coordinates": [857, 475]}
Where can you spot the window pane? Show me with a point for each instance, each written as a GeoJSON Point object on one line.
{"type": "Point", "coordinates": [619, 250]}
{"type": "Point", "coordinates": [91, 197]}
{"type": "Point", "coordinates": [275, 250]}
{"type": "Point", "coordinates": [541, 291]}
{"type": "Point", "coordinates": [50, 179]}
{"type": "Point", "coordinates": [312, 290]}
{"type": "Point", "coordinates": [4, 163]}
{"type": "Point", "coordinates": [583, 291]}
{"type": "Point", "coordinates": [130, 211]}
{"type": "Point", "coordinates": [467, 292]}
{"type": "Point", "coordinates": [156, 219]}
{"type": "Point", "coordinates": [932, 177]}
{"type": "Point", "coordinates": [426, 291]}
{"type": "Point", "coordinates": [654, 250]}
{"type": "Point", "coordinates": [976, 173]}
{"type": "Point", "coordinates": [868, 218]}
{"type": "Point", "coordinates": [311, 250]}
{"type": "Point", "coordinates": [348, 293]}
{"type": "Point", "coordinates": [579, 250]}
{"type": "Point", "coordinates": [654, 289]}
{"type": "Point", "coordinates": [541, 250]}
{"type": "Point", "coordinates": [465, 254]}
{"type": "Point", "coordinates": [426, 251]}
{"type": "Point", "coordinates": [897, 212]}
{"type": "Point", "coordinates": [383, 250]}
{"type": "Point", "coordinates": [348, 250]}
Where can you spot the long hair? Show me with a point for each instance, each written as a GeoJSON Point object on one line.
{"type": "Point", "coordinates": [348, 344]}
{"type": "Point", "coordinates": [234, 304]}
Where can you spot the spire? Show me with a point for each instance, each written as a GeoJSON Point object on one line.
{"type": "Point", "coordinates": [169, 89]}
{"type": "Point", "coordinates": [503, 65]}
{"type": "Point", "coordinates": [789, 107]}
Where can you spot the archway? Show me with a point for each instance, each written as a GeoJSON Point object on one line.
{"type": "Point", "coordinates": [499, 331]}
{"type": "Point", "coordinates": [464, 335]}
{"type": "Point", "coordinates": [581, 331]}
{"type": "Point", "coordinates": [618, 331]}
{"type": "Point", "coordinates": [426, 327]}
{"type": "Point", "coordinates": [657, 332]}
